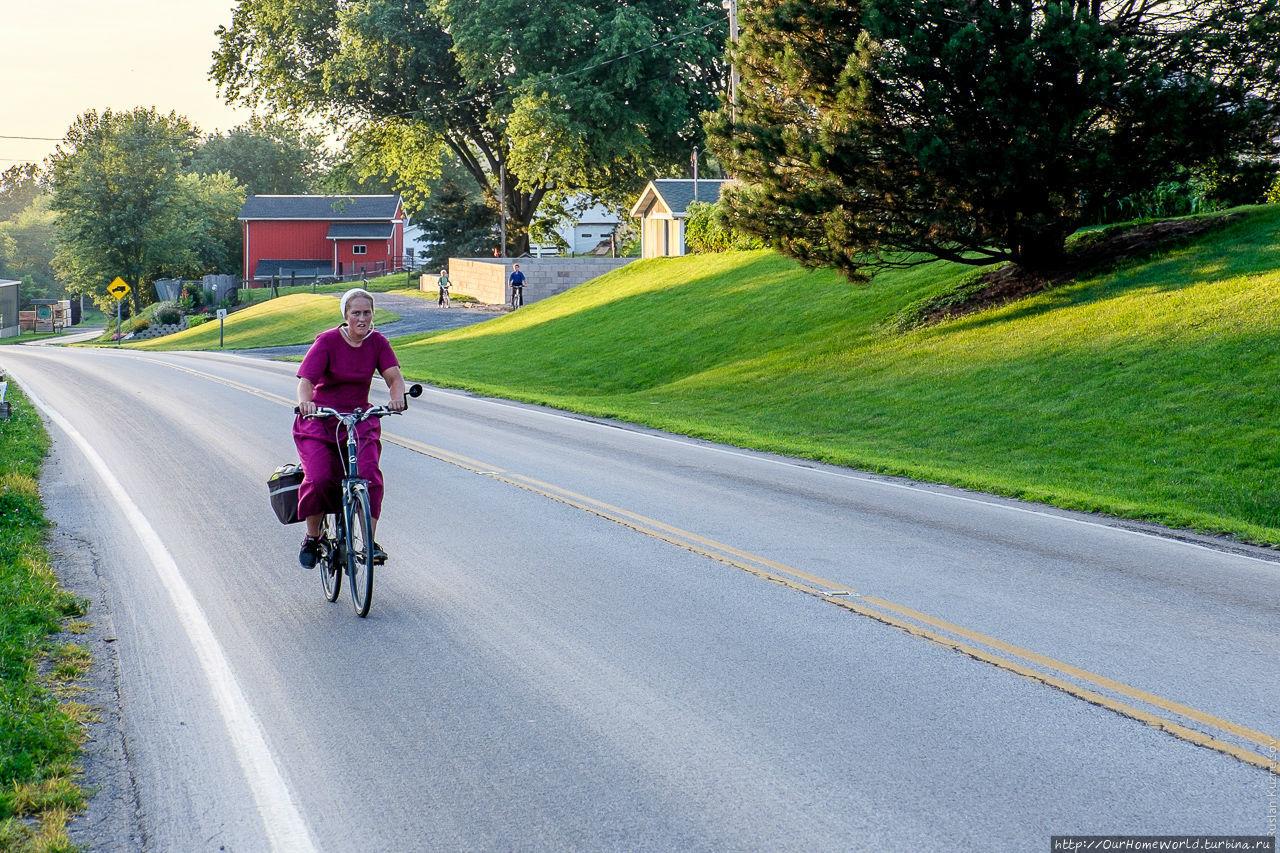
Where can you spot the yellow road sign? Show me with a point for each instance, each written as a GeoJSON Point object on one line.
{"type": "Point", "coordinates": [118, 288]}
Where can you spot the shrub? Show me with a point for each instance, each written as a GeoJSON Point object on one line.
{"type": "Point", "coordinates": [166, 313]}
{"type": "Point", "coordinates": [192, 298]}
{"type": "Point", "coordinates": [708, 229]}
{"type": "Point", "coordinates": [1273, 194]}
{"type": "Point", "coordinates": [198, 320]}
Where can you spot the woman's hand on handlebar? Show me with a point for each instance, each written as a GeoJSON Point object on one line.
{"type": "Point", "coordinates": [307, 409]}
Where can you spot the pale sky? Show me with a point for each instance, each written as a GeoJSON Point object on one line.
{"type": "Point", "coordinates": [59, 58]}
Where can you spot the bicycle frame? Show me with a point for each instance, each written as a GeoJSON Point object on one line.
{"type": "Point", "coordinates": [337, 546]}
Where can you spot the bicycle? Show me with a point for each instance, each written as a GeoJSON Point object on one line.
{"type": "Point", "coordinates": [444, 296]}
{"type": "Point", "coordinates": [517, 295]}
{"type": "Point", "coordinates": [348, 541]}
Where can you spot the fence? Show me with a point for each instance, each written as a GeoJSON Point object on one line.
{"type": "Point", "coordinates": [214, 287]}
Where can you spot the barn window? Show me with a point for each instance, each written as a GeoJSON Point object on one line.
{"type": "Point", "coordinates": [358, 249]}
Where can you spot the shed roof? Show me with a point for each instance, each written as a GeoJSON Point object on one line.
{"type": "Point", "coordinates": [360, 231]}
{"type": "Point", "coordinates": [676, 194]}
{"type": "Point", "coordinates": [266, 267]}
{"type": "Point", "coordinates": [345, 207]}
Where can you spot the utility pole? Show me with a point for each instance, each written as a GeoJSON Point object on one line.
{"type": "Point", "coordinates": [732, 7]}
{"type": "Point", "coordinates": [502, 193]}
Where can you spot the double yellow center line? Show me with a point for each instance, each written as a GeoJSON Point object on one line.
{"type": "Point", "coordinates": [1097, 689]}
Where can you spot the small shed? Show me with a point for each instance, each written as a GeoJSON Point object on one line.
{"type": "Point", "coordinates": [662, 209]}
{"type": "Point", "coordinates": [52, 315]}
{"type": "Point", "coordinates": [9, 308]}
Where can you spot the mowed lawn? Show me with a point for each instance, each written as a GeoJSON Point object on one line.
{"type": "Point", "coordinates": [293, 319]}
{"type": "Point", "coordinates": [1147, 392]}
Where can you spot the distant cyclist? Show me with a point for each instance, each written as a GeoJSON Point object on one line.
{"type": "Point", "coordinates": [337, 372]}
{"type": "Point", "coordinates": [517, 286]}
{"type": "Point", "coordinates": [443, 283]}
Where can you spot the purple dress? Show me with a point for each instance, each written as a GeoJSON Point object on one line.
{"type": "Point", "coordinates": [342, 375]}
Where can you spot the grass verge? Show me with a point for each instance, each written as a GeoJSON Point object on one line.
{"type": "Point", "coordinates": [293, 319]}
{"type": "Point", "coordinates": [40, 735]}
{"type": "Point", "coordinates": [380, 284]}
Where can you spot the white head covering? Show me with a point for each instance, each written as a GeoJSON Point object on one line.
{"type": "Point", "coordinates": [354, 293]}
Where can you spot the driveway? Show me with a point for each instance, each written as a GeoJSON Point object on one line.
{"type": "Point", "coordinates": [417, 315]}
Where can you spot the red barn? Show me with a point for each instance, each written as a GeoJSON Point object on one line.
{"type": "Point", "coordinates": [321, 235]}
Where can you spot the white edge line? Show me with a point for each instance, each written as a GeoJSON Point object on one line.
{"type": "Point", "coordinates": [285, 828]}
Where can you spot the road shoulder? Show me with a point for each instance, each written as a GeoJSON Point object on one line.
{"type": "Point", "coordinates": [112, 818]}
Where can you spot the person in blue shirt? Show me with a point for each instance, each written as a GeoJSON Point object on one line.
{"type": "Point", "coordinates": [517, 286]}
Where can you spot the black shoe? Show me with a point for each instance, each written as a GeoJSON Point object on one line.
{"type": "Point", "coordinates": [310, 552]}
{"type": "Point", "coordinates": [379, 555]}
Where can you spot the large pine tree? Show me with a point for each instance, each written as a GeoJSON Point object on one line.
{"type": "Point", "coordinates": [899, 131]}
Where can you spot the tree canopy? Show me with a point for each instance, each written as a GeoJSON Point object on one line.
{"type": "Point", "coordinates": [27, 232]}
{"type": "Point", "coordinates": [19, 186]}
{"type": "Point", "coordinates": [126, 205]}
{"type": "Point", "coordinates": [456, 221]}
{"type": "Point", "coordinates": [26, 250]}
{"type": "Point", "coordinates": [267, 156]}
{"type": "Point", "coordinates": [897, 131]}
{"type": "Point", "coordinates": [564, 95]}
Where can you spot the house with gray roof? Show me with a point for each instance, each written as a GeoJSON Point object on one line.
{"type": "Point", "coordinates": [662, 209]}
{"type": "Point", "coordinates": [308, 236]}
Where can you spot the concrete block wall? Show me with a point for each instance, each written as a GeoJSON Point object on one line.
{"type": "Point", "coordinates": [486, 279]}
{"type": "Point", "coordinates": [161, 330]}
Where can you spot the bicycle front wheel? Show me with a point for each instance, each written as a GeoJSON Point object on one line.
{"type": "Point", "coordinates": [360, 548]}
{"type": "Point", "coordinates": [330, 563]}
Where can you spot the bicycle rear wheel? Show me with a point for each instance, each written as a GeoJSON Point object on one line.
{"type": "Point", "coordinates": [330, 562]}
{"type": "Point", "coordinates": [360, 548]}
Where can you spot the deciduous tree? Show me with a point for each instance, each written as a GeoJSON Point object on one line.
{"type": "Point", "coordinates": [456, 219]}
{"type": "Point", "coordinates": [114, 179]}
{"type": "Point", "coordinates": [595, 95]}
{"type": "Point", "coordinates": [27, 247]}
{"type": "Point", "coordinates": [267, 156]}
{"type": "Point", "coordinates": [198, 232]}
{"type": "Point", "coordinates": [19, 186]}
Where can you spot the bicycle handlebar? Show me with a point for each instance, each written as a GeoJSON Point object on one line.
{"type": "Point", "coordinates": [415, 390]}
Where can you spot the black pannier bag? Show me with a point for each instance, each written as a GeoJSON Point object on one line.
{"type": "Point", "coordinates": [282, 487]}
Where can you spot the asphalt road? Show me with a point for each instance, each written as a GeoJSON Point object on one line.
{"type": "Point", "coordinates": [596, 637]}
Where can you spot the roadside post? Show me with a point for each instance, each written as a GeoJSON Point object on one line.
{"type": "Point", "coordinates": [222, 316]}
{"type": "Point", "coordinates": [119, 289]}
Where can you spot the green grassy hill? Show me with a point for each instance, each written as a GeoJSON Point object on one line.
{"type": "Point", "coordinates": [293, 319]}
{"type": "Point", "coordinates": [1148, 392]}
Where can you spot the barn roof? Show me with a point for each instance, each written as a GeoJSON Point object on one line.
{"type": "Point", "coordinates": [342, 207]}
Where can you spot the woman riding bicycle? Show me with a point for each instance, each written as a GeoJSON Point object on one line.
{"type": "Point", "coordinates": [337, 372]}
